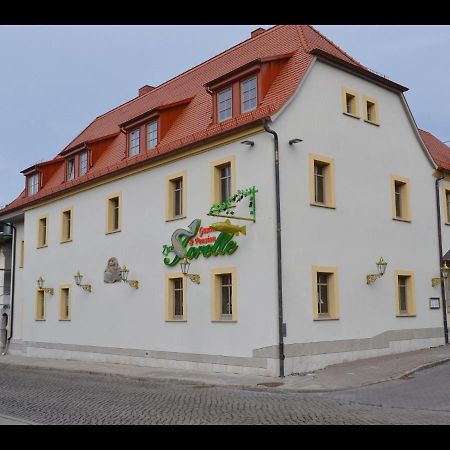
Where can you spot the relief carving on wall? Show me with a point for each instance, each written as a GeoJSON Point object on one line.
{"type": "Point", "coordinates": [112, 271]}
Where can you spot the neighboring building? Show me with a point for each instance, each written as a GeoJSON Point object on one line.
{"type": "Point", "coordinates": [357, 187]}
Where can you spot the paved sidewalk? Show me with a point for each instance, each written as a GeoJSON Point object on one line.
{"type": "Point", "coordinates": [332, 378]}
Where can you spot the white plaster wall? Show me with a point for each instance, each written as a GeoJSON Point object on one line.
{"type": "Point", "coordinates": [353, 236]}
{"type": "Point", "coordinates": [115, 315]}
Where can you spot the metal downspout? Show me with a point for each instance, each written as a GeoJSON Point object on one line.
{"type": "Point", "coordinates": [441, 262]}
{"type": "Point", "coordinates": [13, 283]}
{"type": "Point", "coordinates": [279, 271]}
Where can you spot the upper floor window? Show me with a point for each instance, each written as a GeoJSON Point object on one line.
{"type": "Point", "coordinates": [152, 134]}
{"type": "Point", "coordinates": [134, 142]}
{"type": "Point", "coordinates": [83, 163]}
{"type": "Point", "coordinates": [223, 179]}
{"type": "Point", "coordinates": [248, 95]}
{"type": "Point", "coordinates": [71, 169]}
{"type": "Point", "coordinates": [371, 110]}
{"type": "Point", "coordinates": [447, 205]}
{"type": "Point", "coordinates": [350, 102]}
{"type": "Point", "coordinates": [400, 199]}
{"type": "Point", "coordinates": [225, 104]}
{"type": "Point", "coordinates": [33, 184]}
{"type": "Point", "coordinates": [322, 189]}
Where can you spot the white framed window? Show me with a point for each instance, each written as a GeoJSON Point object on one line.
{"type": "Point", "coordinates": [225, 104]}
{"type": "Point", "coordinates": [83, 163]}
{"type": "Point", "coordinates": [71, 169]}
{"type": "Point", "coordinates": [152, 134]}
{"type": "Point", "coordinates": [225, 182]}
{"type": "Point", "coordinates": [33, 184]}
{"type": "Point", "coordinates": [249, 94]}
{"type": "Point", "coordinates": [134, 142]}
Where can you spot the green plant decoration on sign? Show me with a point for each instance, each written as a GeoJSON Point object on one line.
{"type": "Point", "coordinates": [224, 209]}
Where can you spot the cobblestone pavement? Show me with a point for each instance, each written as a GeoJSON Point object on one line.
{"type": "Point", "coordinates": [61, 397]}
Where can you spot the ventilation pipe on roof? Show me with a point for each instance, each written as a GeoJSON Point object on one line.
{"type": "Point", "coordinates": [145, 89]}
{"type": "Point", "coordinates": [281, 325]}
{"type": "Point", "coordinates": [257, 32]}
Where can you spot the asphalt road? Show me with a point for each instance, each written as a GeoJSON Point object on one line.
{"type": "Point", "coordinates": [60, 397]}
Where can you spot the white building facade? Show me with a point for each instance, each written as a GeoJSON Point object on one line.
{"type": "Point", "coordinates": [359, 186]}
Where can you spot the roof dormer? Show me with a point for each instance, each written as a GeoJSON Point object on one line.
{"type": "Point", "coordinates": [243, 89]}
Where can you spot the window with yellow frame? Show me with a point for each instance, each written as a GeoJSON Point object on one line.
{"type": "Point", "coordinates": [224, 295]}
{"type": "Point", "coordinates": [321, 181]}
{"type": "Point", "coordinates": [325, 293]}
{"type": "Point", "coordinates": [405, 301]}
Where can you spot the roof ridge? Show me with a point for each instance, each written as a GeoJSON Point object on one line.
{"type": "Point", "coordinates": [191, 69]}
{"type": "Point", "coordinates": [335, 45]}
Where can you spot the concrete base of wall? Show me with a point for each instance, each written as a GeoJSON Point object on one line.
{"type": "Point", "coordinates": [300, 357]}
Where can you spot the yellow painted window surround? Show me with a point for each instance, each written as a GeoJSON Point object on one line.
{"type": "Point", "coordinates": [401, 203]}
{"type": "Point", "coordinates": [176, 304]}
{"type": "Point", "coordinates": [66, 225]}
{"type": "Point", "coordinates": [371, 110]}
{"type": "Point", "coordinates": [321, 181]}
{"type": "Point", "coordinates": [405, 297]}
{"type": "Point", "coordinates": [446, 201]}
{"type": "Point", "coordinates": [350, 101]}
{"type": "Point", "coordinates": [65, 302]}
{"type": "Point", "coordinates": [223, 179]}
{"type": "Point", "coordinates": [176, 196]}
{"type": "Point", "coordinates": [224, 295]}
{"type": "Point", "coordinates": [114, 213]}
{"type": "Point", "coordinates": [21, 253]}
{"type": "Point", "coordinates": [325, 293]}
{"type": "Point", "coordinates": [41, 309]}
{"type": "Point", "coordinates": [42, 240]}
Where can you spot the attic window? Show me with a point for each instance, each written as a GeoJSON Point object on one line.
{"type": "Point", "coordinates": [33, 184]}
{"type": "Point", "coordinates": [249, 94]}
{"type": "Point", "coordinates": [225, 104]}
{"type": "Point", "coordinates": [134, 142]}
{"type": "Point", "coordinates": [70, 169]}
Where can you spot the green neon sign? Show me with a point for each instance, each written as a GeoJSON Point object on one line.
{"type": "Point", "coordinates": [223, 245]}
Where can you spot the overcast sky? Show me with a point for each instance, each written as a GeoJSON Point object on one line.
{"type": "Point", "coordinates": [54, 80]}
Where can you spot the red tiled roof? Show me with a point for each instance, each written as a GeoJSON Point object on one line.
{"type": "Point", "coordinates": [194, 123]}
{"type": "Point", "coordinates": [439, 151]}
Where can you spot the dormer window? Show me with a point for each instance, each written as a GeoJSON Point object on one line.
{"type": "Point", "coordinates": [83, 163]}
{"type": "Point", "coordinates": [70, 169]}
{"type": "Point", "coordinates": [249, 94]}
{"type": "Point", "coordinates": [225, 104]}
{"type": "Point", "coordinates": [33, 184]}
{"type": "Point", "coordinates": [134, 142]}
{"type": "Point", "coordinates": [152, 134]}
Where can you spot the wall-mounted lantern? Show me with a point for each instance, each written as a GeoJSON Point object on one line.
{"type": "Point", "coordinates": [86, 287]}
{"type": "Point", "coordinates": [381, 267]}
{"type": "Point", "coordinates": [40, 283]}
{"type": "Point", "coordinates": [444, 271]}
{"type": "Point", "coordinates": [124, 271]}
{"type": "Point", "coordinates": [195, 278]}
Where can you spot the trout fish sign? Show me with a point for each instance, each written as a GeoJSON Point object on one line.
{"type": "Point", "coordinates": [184, 242]}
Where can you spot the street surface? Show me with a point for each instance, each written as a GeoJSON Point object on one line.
{"type": "Point", "coordinates": [53, 397]}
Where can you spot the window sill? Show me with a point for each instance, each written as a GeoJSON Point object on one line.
{"type": "Point", "coordinates": [320, 319]}
{"type": "Point", "coordinates": [351, 115]}
{"type": "Point", "coordinates": [175, 218]}
{"type": "Point", "coordinates": [42, 246]}
{"type": "Point", "coordinates": [322, 205]}
{"type": "Point", "coordinates": [224, 321]}
{"type": "Point", "coordinates": [399, 219]}
{"type": "Point", "coordinates": [67, 240]}
{"type": "Point", "coordinates": [64, 320]}
{"type": "Point", "coordinates": [405, 315]}
{"type": "Point", "coordinates": [176, 320]}
{"type": "Point", "coordinates": [372, 123]}
{"type": "Point", "coordinates": [114, 231]}
{"type": "Point", "coordinates": [39, 320]}
{"type": "Point", "coordinates": [446, 223]}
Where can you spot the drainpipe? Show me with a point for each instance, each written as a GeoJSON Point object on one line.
{"type": "Point", "coordinates": [441, 262]}
{"type": "Point", "coordinates": [279, 272]}
{"type": "Point", "coordinates": [13, 282]}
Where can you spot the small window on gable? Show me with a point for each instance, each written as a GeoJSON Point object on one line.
{"type": "Point", "coordinates": [152, 134]}
{"type": "Point", "coordinates": [33, 184]}
{"type": "Point", "coordinates": [225, 104]}
{"type": "Point", "coordinates": [350, 102]}
{"type": "Point", "coordinates": [370, 110]}
{"type": "Point", "coordinates": [83, 163]}
{"type": "Point", "coordinates": [134, 142]}
{"type": "Point", "coordinates": [71, 169]}
{"type": "Point", "coordinates": [249, 95]}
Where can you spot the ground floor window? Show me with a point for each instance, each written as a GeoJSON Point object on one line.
{"type": "Point", "coordinates": [176, 297]}
{"type": "Point", "coordinates": [224, 294]}
{"type": "Point", "coordinates": [325, 293]}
